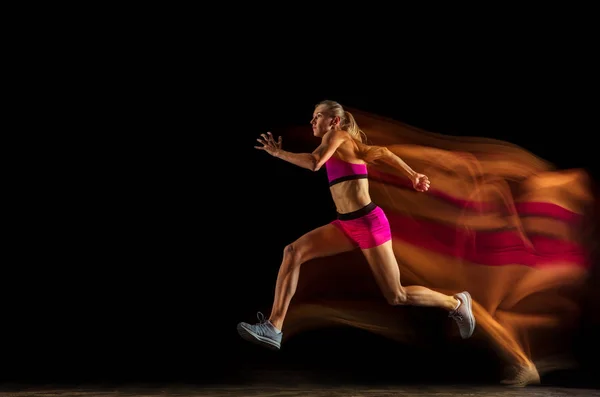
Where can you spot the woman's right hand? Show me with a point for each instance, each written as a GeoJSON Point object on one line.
{"type": "Point", "coordinates": [420, 182]}
{"type": "Point", "coordinates": [269, 144]}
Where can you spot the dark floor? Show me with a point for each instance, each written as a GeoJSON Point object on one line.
{"type": "Point", "coordinates": [291, 383]}
{"type": "Point", "coordinates": [292, 390]}
{"type": "Point", "coordinates": [333, 362]}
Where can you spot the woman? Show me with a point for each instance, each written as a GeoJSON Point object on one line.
{"type": "Point", "coordinates": [360, 224]}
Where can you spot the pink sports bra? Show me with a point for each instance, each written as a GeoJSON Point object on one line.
{"type": "Point", "coordinates": [340, 171]}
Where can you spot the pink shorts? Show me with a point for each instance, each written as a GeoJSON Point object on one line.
{"type": "Point", "coordinates": [368, 227]}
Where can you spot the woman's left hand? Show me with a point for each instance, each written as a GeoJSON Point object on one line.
{"type": "Point", "coordinates": [269, 144]}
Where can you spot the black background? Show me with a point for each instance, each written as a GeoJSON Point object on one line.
{"type": "Point", "coordinates": [153, 227]}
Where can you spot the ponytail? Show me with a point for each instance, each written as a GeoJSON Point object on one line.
{"type": "Point", "coordinates": [367, 152]}
{"type": "Point", "coordinates": [351, 126]}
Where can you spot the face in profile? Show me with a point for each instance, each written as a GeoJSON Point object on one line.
{"type": "Point", "coordinates": [321, 121]}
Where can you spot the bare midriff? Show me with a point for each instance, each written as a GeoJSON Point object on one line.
{"type": "Point", "coordinates": [350, 195]}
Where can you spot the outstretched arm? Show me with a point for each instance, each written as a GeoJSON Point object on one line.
{"type": "Point", "coordinates": [311, 161]}
{"type": "Point", "coordinates": [420, 181]}
{"type": "Point", "coordinates": [395, 161]}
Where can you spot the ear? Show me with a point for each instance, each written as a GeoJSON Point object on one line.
{"type": "Point", "coordinates": [336, 120]}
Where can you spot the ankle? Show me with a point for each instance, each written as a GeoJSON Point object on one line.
{"type": "Point", "coordinates": [277, 324]}
{"type": "Point", "coordinates": [453, 303]}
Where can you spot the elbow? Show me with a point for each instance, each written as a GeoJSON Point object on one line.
{"type": "Point", "coordinates": [379, 155]}
{"type": "Point", "coordinates": [316, 164]}
{"type": "Point", "coordinates": [386, 154]}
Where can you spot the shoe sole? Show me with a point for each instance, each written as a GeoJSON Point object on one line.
{"type": "Point", "coordinates": [257, 339]}
{"type": "Point", "coordinates": [471, 313]}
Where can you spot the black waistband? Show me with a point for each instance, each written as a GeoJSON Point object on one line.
{"type": "Point", "coordinates": [358, 213]}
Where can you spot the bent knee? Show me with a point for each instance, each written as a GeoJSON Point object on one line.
{"type": "Point", "coordinates": [292, 254]}
{"type": "Point", "coordinates": [397, 299]}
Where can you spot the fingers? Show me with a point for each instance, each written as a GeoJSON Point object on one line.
{"type": "Point", "coordinates": [273, 142]}
{"type": "Point", "coordinates": [270, 138]}
{"type": "Point", "coordinates": [422, 183]}
{"type": "Point", "coordinates": [269, 142]}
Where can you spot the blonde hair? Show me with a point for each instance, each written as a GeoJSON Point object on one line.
{"type": "Point", "coordinates": [368, 153]}
{"type": "Point", "coordinates": [347, 122]}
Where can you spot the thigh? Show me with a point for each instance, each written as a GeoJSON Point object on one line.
{"type": "Point", "coordinates": [323, 241]}
{"type": "Point", "coordinates": [384, 266]}
{"type": "Point", "coordinates": [370, 230]}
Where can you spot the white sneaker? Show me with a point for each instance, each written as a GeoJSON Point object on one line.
{"type": "Point", "coordinates": [463, 315]}
{"type": "Point", "coordinates": [263, 333]}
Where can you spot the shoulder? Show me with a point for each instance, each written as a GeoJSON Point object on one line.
{"type": "Point", "coordinates": [338, 135]}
